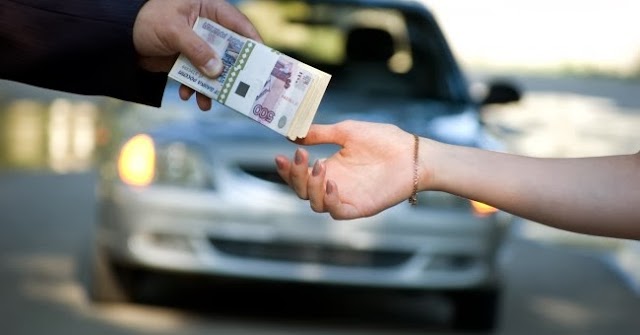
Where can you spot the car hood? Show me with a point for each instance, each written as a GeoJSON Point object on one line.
{"type": "Point", "coordinates": [452, 123]}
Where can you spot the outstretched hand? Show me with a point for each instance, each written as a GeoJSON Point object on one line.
{"type": "Point", "coordinates": [164, 29]}
{"type": "Point", "coordinates": [371, 172]}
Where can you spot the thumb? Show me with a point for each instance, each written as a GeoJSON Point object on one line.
{"type": "Point", "coordinates": [199, 53]}
{"type": "Point", "coordinates": [322, 134]}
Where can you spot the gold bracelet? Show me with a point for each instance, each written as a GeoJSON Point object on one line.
{"type": "Point", "coordinates": [413, 199]}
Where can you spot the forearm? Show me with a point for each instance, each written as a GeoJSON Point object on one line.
{"type": "Point", "coordinates": [83, 47]}
{"type": "Point", "coordinates": [589, 195]}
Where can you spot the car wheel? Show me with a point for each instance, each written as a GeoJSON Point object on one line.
{"type": "Point", "coordinates": [475, 310]}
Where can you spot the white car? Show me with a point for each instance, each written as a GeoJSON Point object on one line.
{"type": "Point", "coordinates": [200, 194]}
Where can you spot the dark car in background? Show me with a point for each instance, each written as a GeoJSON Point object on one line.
{"type": "Point", "coordinates": [198, 193]}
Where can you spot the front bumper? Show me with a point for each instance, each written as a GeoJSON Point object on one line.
{"type": "Point", "coordinates": [202, 233]}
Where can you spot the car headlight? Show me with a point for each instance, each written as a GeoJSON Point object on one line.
{"type": "Point", "coordinates": [443, 200]}
{"type": "Point", "coordinates": [136, 162]}
{"type": "Point", "coordinates": [179, 165]}
{"type": "Point", "coordinates": [141, 162]}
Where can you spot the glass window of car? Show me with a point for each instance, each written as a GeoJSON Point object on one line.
{"type": "Point", "coordinates": [368, 51]}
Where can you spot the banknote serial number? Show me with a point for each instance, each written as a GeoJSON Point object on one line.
{"type": "Point", "coordinates": [263, 113]}
{"type": "Point", "coordinates": [189, 73]}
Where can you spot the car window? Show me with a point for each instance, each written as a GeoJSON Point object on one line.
{"type": "Point", "coordinates": [368, 51]}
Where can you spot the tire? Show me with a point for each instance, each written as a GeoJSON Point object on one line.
{"type": "Point", "coordinates": [105, 281]}
{"type": "Point", "coordinates": [476, 310]}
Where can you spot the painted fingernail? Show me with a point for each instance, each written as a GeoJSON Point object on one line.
{"type": "Point", "coordinates": [212, 68]}
{"type": "Point", "coordinates": [330, 188]}
{"type": "Point", "coordinates": [317, 168]}
{"type": "Point", "coordinates": [298, 157]}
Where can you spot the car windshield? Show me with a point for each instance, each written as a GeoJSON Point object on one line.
{"type": "Point", "coordinates": [389, 62]}
{"type": "Point", "coordinates": [381, 52]}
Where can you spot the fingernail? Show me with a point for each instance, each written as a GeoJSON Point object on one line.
{"type": "Point", "coordinates": [212, 68]}
{"type": "Point", "coordinates": [298, 157]}
{"type": "Point", "coordinates": [280, 162]}
{"type": "Point", "coordinates": [330, 187]}
{"type": "Point", "coordinates": [316, 169]}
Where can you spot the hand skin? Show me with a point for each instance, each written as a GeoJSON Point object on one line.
{"type": "Point", "coordinates": [164, 28]}
{"type": "Point", "coordinates": [374, 171]}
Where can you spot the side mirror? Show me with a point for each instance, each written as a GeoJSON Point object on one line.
{"type": "Point", "coordinates": [501, 92]}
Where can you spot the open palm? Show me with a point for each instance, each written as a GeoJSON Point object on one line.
{"type": "Point", "coordinates": [371, 172]}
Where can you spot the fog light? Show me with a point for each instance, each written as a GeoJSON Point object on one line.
{"type": "Point", "coordinates": [170, 241]}
{"type": "Point", "coordinates": [482, 209]}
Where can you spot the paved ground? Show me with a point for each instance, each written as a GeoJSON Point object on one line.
{"type": "Point", "coordinates": [550, 289]}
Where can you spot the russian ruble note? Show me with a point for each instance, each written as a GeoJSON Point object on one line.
{"type": "Point", "coordinates": [264, 84]}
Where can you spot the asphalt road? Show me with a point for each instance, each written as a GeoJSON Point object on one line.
{"type": "Point", "coordinates": [46, 219]}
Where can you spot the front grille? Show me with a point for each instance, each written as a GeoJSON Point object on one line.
{"type": "Point", "coordinates": [309, 253]}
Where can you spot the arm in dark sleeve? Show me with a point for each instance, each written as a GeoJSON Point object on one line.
{"type": "Point", "coordinates": [78, 46]}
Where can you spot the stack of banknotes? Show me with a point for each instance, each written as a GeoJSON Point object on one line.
{"type": "Point", "coordinates": [262, 83]}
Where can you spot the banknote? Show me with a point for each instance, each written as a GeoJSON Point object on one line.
{"type": "Point", "coordinates": [260, 82]}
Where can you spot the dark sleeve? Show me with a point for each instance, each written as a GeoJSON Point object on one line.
{"type": "Point", "coordinates": [77, 46]}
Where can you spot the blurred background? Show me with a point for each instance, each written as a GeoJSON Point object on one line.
{"type": "Point", "coordinates": [578, 65]}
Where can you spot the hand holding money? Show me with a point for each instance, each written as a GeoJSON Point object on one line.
{"type": "Point", "coordinates": [159, 41]}
{"type": "Point", "coordinates": [263, 84]}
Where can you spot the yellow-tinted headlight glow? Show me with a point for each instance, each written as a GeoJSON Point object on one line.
{"type": "Point", "coordinates": [136, 163]}
{"type": "Point", "coordinates": [482, 209]}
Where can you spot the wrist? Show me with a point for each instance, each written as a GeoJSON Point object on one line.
{"type": "Point", "coordinates": [428, 159]}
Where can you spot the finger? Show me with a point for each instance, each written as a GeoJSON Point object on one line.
{"type": "Point", "coordinates": [284, 168]}
{"type": "Point", "coordinates": [335, 207]}
{"type": "Point", "coordinates": [300, 173]}
{"type": "Point", "coordinates": [315, 187]}
{"type": "Point", "coordinates": [199, 52]}
{"type": "Point", "coordinates": [185, 92]}
{"type": "Point", "coordinates": [230, 17]}
{"type": "Point", "coordinates": [203, 101]}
